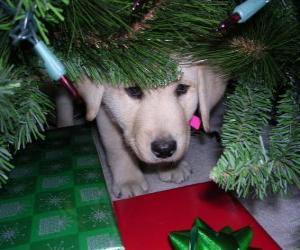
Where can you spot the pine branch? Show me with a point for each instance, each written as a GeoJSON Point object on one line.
{"type": "Point", "coordinates": [103, 20]}
{"type": "Point", "coordinates": [137, 65]}
{"type": "Point", "coordinates": [243, 167]}
{"type": "Point", "coordinates": [178, 24]}
{"type": "Point", "coordinates": [244, 170]}
{"type": "Point", "coordinates": [32, 107]}
{"type": "Point", "coordinates": [5, 165]}
{"type": "Point", "coordinates": [8, 112]}
{"type": "Point", "coordinates": [142, 57]}
{"type": "Point", "coordinates": [259, 159]}
{"type": "Point", "coordinates": [96, 46]}
{"type": "Point", "coordinates": [23, 110]}
{"type": "Point", "coordinates": [264, 48]}
{"type": "Point", "coordinates": [247, 113]}
{"type": "Point", "coordinates": [45, 12]}
{"type": "Point", "coordinates": [94, 34]}
{"type": "Point", "coordinates": [285, 144]}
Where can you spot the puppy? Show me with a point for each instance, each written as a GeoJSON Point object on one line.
{"type": "Point", "coordinates": [151, 125]}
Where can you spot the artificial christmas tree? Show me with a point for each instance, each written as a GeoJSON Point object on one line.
{"type": "Point", "coordinates": [112, 42]}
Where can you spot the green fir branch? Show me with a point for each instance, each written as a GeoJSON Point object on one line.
{"type": "Point", "coordinates": [137, 65]}
{"type": "Point", "coordinates": [23, 111]}
{"type": "Point", "coordinates": [99, 47]}
{"type": "Point", "coordinates": [177, 24]}
{"type": "Point", "coordinates": [103, 42]}
{"type": "Point", "coordinates": [32, 107]}
{"type": "Point", "coordinates": [285, 144]}
{"type": "Point", "coordinates": [247, 112]}
{"type": "Point", "coordinates": [45, 12]}
{"type": "Point", "coordinates": [5, 165]}
{"type": "Point", "coordinates": [263, 49]}
{"type": "Point", "coordinates": [259, 159]}
{"type": "Point", "coordinates": [243, 167]}
{"type": "Point", "coordinates": [8, 112]}
{"type": "Point", "coordinates": [90, 19]}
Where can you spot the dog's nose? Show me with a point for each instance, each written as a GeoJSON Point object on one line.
{"type": "Point", "coordinates": [163, 148]}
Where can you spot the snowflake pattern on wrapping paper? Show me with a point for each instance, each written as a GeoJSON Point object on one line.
{"type": "Point", "coordinates": [55, 154]}
{"type": "Point", "coordinates": [94, 217]}
{"type": "Point", "coordinates": [85, 149]}
{"type": "Point", "coordinates": [105, 241]}
{"type": "Point", "coordinates": [91, 176]}
{"type": "Point", "coordinates": [12, 209]}
{"type": "Point", "coordinates": [56, 166]}
{"type": "Point", "coordinates": [98, 216]}
{"type": "Point", "coordinates": [11, 234]}
{"type": "Point", "coordinates": [82, 139]}
{"type": "Point", "coordinates": [20, 187]}
{"type": "Point", "coordinates": [59, 246]}
{"type": "Point", "coordinates": [91, 194]}
{"type": "Point", "coordinates": [47, 218]}
{"type": "Point", "coordinates": [52, 201]}
{"type": "Point", "coordinates": [22, 172]}
{"type": "Point", "coordinates": [55, 182]}
{"type": "Point", "coordinates": [54, 224]}
{"type": "Point", "coordinates": [88, 176]}
{"type": "Point", "coordinates": [87, 160]}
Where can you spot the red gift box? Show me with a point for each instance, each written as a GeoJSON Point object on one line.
{"type": "Point", "coordinates": [145, 221]}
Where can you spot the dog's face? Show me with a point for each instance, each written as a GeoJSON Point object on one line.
{"type": "Point", "coordinates": [154, 122]}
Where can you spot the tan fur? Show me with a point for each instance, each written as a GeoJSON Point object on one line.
{"type": "Point", "coordinates": [128, 126]}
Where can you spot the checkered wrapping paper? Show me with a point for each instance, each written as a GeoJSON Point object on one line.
{"type": "Point", "coordinates": [56, 198]}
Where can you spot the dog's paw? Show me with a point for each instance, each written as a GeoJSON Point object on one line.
{"type": "Point", "coordinates": [130, 187]}
{"type": "Point", "coordinates": [176, 174]}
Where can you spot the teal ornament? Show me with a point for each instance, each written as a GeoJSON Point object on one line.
{"type": "Point", "coordinates": [248, 8]}
{"type": "Point", "coordinates": [52, 64]}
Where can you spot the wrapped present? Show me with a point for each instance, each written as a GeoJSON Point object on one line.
{"type": "Point", "coordinates": [202, 237]}
{"type": "Point", "coordinates": [148, 220]}
{"type": "Point", "coordinates": [56, 197]}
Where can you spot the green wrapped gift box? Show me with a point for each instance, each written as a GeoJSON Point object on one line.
{"type": "Point", "coordinates": [56, 197]}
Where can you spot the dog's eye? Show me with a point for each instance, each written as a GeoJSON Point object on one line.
{"type": "Point", "coordinates": [181, 89]}
{"type": "Point", "coordinates": [134, 92]}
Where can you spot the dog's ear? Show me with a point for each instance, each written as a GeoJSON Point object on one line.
{"type": "Point", "coordinates": [211, 86]}
{"type": "Point", "coordinates": [92, 94]}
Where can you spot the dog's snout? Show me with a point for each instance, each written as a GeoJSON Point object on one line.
{"type": "Point", "coordinates": [163, 148]}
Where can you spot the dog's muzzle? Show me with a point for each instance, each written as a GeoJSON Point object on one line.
{"type": "Point", "coordinates": [163, 148]}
